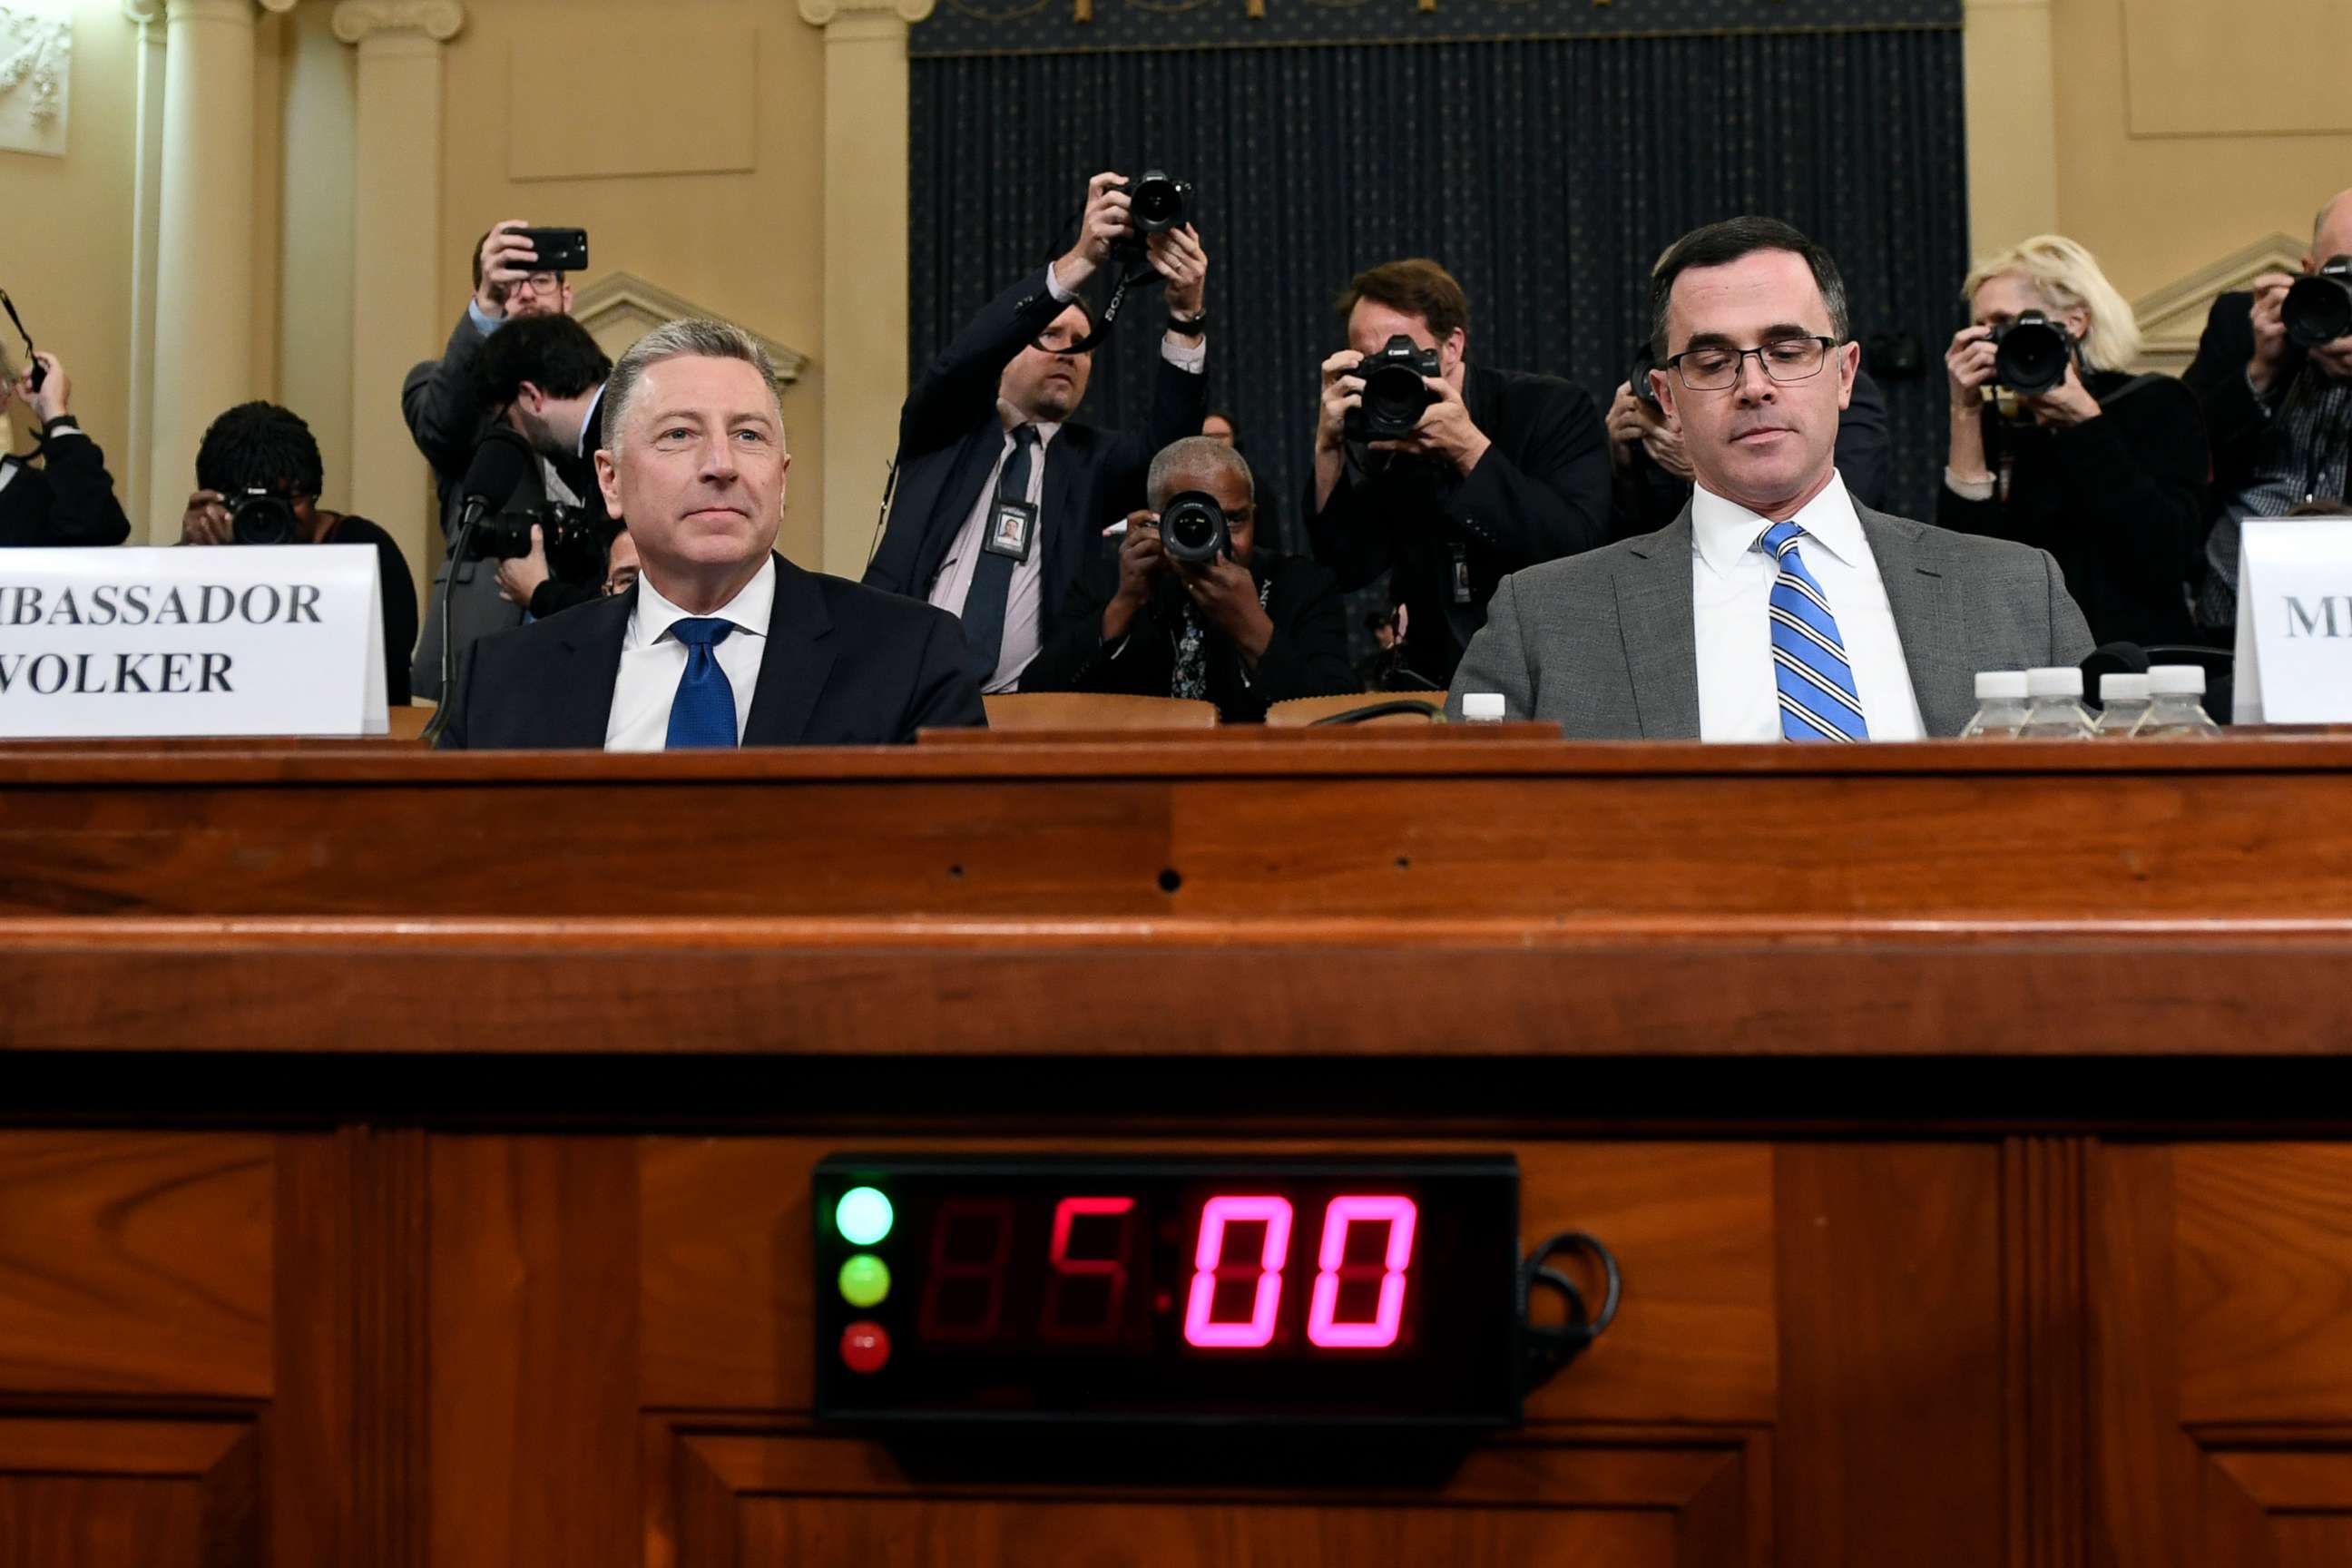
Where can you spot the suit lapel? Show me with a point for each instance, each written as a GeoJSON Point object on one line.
{"type": "Point", "coordinates": [580, 707]}
{"type": "Point", "coordinates": [1655, 618]}
{"type": "Point", "coordinates": [1063, 526]}
{"type": "Point", "coordinates": [1928, 617]}
{"type": "Point", "coordinates": [795, 663]}
{"type": "Point", "coordinates": [966, 476]}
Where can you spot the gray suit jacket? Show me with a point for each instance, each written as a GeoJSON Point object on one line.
{"type": "Point", "coordinates": [1605, 645]}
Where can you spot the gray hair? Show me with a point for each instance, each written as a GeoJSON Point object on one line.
{"type": "Point", "coordinates": [691, 338]}
{"type": "Point", "coordinates": [1192, 455]}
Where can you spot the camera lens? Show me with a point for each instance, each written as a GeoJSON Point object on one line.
{"type": "Point", "coordinates": [1192, 529]}
{"type": "Point", "coordinates": [2032, 355]}
{"type": "Point", "coordinates": [2318, 309]}
{"type": "Point", "coordinates": [1158, 204]}
{"type": "Point", "coordinates": [259, 518]}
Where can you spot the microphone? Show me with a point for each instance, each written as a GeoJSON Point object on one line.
{"type": "Point", "coordinates": [2112, 658]}
{"type": "Point", "coordinates": [500, 464]}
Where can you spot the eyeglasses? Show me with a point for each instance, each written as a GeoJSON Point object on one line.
{"type": "Point", "coordinates": [539, 283]}
{"type": "Point", "coordinates": [1783, 359]}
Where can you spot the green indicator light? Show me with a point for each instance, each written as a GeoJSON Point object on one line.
{"type": "Point", "coordinates": [862, 1217]}
{"type": "Point", "coordinates": [865, 1280]}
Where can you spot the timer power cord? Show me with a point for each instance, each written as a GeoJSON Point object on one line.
{"type": "Point", "coordinates": [1547, 1347]}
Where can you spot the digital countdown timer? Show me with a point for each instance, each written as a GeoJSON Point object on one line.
{"type": "Point", "coordinates": [1310, 1290]}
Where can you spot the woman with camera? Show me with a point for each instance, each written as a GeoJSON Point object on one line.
{"type": "Point", "coordinates": [2054, 444]}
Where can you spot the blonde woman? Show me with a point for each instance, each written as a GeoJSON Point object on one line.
{"type": "Point", "coordinates": [2105, 469]}
{"type": "Point", "coordinates": [69, 499]}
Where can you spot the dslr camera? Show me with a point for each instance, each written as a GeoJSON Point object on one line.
{"type": "Point", "coordinates": [1638, 377]}
{"type": "Point", "coordinates": [257, 516]}
{"type": "Point", "coordinates": [1157, 202]}
{"type": "Point", "coordinates": [1396, 393]}
{"type": "Point", "coordinates": [1192, 529]}
{"type": "Point", "coordinates": [2030, 353]}
{"type": "Point", "coordinates": [2318, 307]}
{"type": "Point", "coordinates": [574, 553]}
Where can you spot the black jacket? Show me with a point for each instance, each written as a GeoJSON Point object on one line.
{"type": "Point", "coordinates": [1649, 498]}
{"type": "Point", "coordinates": [1540, 492]}
{"type": "Point", "coordinates": [2238, 424]}
{"type": "Point", "coordinates": [843, 666]}
{"type": "Point", "coordinates": [68, 500]}
{"type": "Point", "coordinates": [2119, 502]}
{"type": "Point", "coordinates": [396, 590]}
{"type": "Point", "coordinates": [1306, 656]}
{"type": "Point", "coordinates": [949, 436]}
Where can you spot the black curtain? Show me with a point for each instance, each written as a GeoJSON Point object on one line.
{"type": "Point", "coordinates": [1546, 174]}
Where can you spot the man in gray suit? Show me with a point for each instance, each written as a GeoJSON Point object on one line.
{"type": "Point", "coordinates": [1773, 607]}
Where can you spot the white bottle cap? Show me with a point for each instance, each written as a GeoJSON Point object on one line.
{"type": "Point", "coordinates": [2125, 687]}
{"type": "Point", "coordinates": [2175, 680]}
{"type": "Point", "coordinates": [1995, 685]}
{"type": "Point", "coordinates": [1482, 706]}
{"type": "Point", "coordinates": [2061, 682]}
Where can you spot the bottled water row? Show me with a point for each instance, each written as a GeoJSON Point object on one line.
{"type": "Point", "coordinates": [2166, 702]}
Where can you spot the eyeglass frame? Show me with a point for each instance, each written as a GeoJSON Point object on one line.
{"type": "Point", "coordinates": [1739, 365]}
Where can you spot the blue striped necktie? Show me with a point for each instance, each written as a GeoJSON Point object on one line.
{"type": "Point", "coordinates": [702, 713]}
{"type": "Point", "coordinates": [1817, 700]}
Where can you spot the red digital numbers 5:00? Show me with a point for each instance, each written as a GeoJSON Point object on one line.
{"type": "Point", "coordinates": [1093, 1242]}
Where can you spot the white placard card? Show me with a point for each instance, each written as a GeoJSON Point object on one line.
{"type": "Point", "coordinates": [2294, 621]}
{"type": "Point", "coordinates": [232, 640]}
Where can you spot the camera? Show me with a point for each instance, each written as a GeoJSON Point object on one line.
{"type": "Point", "coordinates": [1645, 360]}
{"type": "Point", "coordinates": [574, 552]}
{"type": "Point", "coordinates": [1192, 529]}
{"type": "Point", "coordinates": [2030, 353]}
{"type": "Point", "coordinates": [2318, 309]}
{"type": "Point", "coordinates": [256, 516]}
{"type": "Point", "coordinates": [1395, 393]}
{"type": "Point", "coordinates": [1157, 202]}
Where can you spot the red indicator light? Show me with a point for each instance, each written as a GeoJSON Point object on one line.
{"type": "Point", "coordinates": [865, 1347]}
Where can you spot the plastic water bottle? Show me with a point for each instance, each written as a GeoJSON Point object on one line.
{"type": "Point", "coordinates": [2123, 701]}
{"type": "Point", "coordinates": [2001, 706]}
{"type": "Point", "coordinates": [2176, 704]}
{"type": "Point", "coordinates": [2054, 710]}
{"type": "Point", "coordinates": [1482, 706]}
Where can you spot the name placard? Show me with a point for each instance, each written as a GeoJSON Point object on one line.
{"type": "Point", "coordinates": [2294, 621]}
{"type": "Point", "coordinates": [230, 640]}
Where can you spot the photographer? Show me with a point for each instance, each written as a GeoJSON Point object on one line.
{"type": "Point", "coordinates": [2104, 469]}
{"type": "Point", "coordinates": [1239, 629]}
{"type": "Point", "coordinates": [69, 498]}
{"type": "Point", "coordinates": [1497, 470]}
{"type": "Point", "coordinates": [259, 462]}
{"type": "Point", "coordinates": [2278, 404]}
{"type": "Point", "coordinates": [1000, 495]}
{"type": "Point", "coordinates": [544, 377]}
{"type": "Point", "coordinates": [446, 419]}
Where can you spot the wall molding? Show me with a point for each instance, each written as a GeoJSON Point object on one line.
{"type": "Point", "coordinates": [2172, 318]}
{"type": "Point", "coordinates": [440, 20]}
{"type": "Point", "coordinates": [35, 80]}
{"type": "Point", "coordinates": [623, 305]}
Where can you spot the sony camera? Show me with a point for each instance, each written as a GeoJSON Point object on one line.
{"type": "Point", "coordinates": [1192, 529]}
{"type": "Point", "coordinates": [2318, 307]}
{"type": "Point", "coordinates": [256, 516]}
{"type": "Point", "coordinates": [1396, 393]}
{"type": "Point", "coordinates": [1157, 202]}
{"type": "Point", "coordinates": [2030, 353]}
{"type": "Point", "coordinates": [574, 552]}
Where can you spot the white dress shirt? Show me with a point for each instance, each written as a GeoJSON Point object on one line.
{"type": "Point", "coordinates": [1731, 593]}
{"type": "Point", "coordinates": [653, 661]}
{"type": "Point", "coordinates": [1025, 620]}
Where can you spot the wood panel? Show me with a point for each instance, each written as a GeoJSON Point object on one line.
{"type": "Point", "coordinates": [726, 1306]}
{"type": "Point", "coordinates": [135, 1263]}
{"type": "Point", "coordinates": [82, 1493]}
{"type": "Point", "coordinates": [2264, 1270]}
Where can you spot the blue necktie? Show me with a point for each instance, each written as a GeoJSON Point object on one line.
{"type": "Point", "coordinates": [703, 711]}
{"type": "Point", "coordinates": [1817, 700]}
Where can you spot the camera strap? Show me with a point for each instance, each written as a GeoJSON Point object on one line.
{"type": "Point", "coordinates": [1142, 279]}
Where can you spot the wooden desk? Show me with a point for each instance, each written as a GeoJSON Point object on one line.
{"type": "Point", "coordinates": [406, 1157]}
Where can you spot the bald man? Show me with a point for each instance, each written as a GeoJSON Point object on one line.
{"type": "Point", "coordinates": [1242, 629]}
{"type": "Point", "coordinates": [2279, 413]}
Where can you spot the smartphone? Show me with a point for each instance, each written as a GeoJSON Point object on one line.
{"type": "Point", "coordinates": [560, 250]}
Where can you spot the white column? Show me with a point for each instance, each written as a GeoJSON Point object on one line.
{"type": "Point", "coordinates": [203, 252]}
{"type": "Point", "coordinates": [396, 247]}
{"type": "Point", "coordinates": [147, 209]}
{"type": "Point", "coordinates": [865, 353]}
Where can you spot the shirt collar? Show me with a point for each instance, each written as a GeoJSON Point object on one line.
{"type": "Point", "coordinates": [749, 610]}
{"type": "Point", "coordinates": [588, 420]}
{"type": "Point", "coordinates": [1724, 531]}
{"type": "Point", "coordinates": [1011, 417]}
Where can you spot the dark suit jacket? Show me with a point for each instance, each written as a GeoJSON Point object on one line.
{"type": "Point", "coordinates": [446, 421]}
{"type": "Point", "coordinates": [1648, 498]}
{"type": "Point", "coordinates": [844, 666]}
{"type": "Point", "coordinates": [949, 436]}
{"type": "Point", "coordinates": [2238, 424]}
{"type": "Point", "coordinates": [68, 500]}
{"type": "Point", "coordinates": [1540, 492]}
{"type": "Point", "coordinates": [1606, 645]}
{"type": "Point", "coordinates": [1306, 656]}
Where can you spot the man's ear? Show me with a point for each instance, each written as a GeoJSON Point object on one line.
{"type": "Point", "coordinates": [1663, 383]}
{"type": "Point", "coordinates": [1848, 366]}
{"type": "Point", "coordinates": [608, 480]}
{"type": "Point", "coordinates": [1455, 347]}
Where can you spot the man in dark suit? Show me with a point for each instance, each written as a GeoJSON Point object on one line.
{"type": "Point", "coordinates": [1774, 607]}
{"type": "Point", "coordinates": [721, 642]}
{"type": "Point", "coordinates": [1243, 630]}
{"type": "Point", "coordinates": [545, 377]}
{"type": "Point", "coordinates": [2278, 415]}
{"type": "Point", "coordinates": [69, 498]}
{"type": "Point", "coordinates": [1503, 470]}
{"type": "Point", "coordinates": [978, 526]}
{"type": "Point", "coordinates": [446, 420]}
